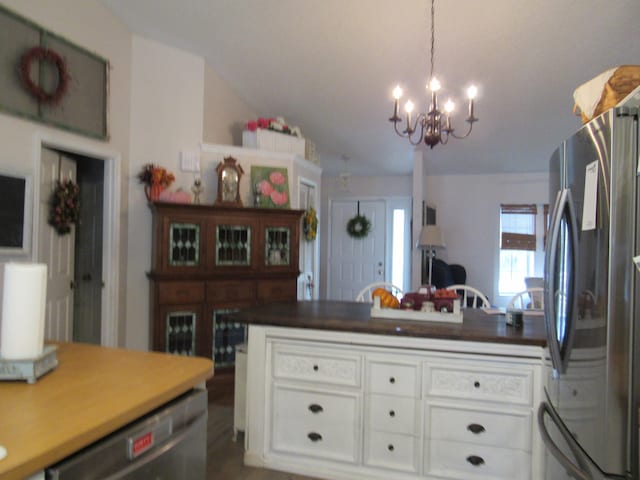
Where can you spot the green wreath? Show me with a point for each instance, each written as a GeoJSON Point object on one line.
{"type": "Point", "coordinates": [359, 226]}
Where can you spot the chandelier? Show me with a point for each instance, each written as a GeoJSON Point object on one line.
{"type": "Point", "coordinates": [434, 126]}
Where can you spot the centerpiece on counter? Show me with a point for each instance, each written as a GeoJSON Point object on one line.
{"type": "Point", "coordinates": [426, 304]}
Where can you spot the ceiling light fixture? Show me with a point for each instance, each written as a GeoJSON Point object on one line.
{"type": "Point", "coordinates": [435, 127]}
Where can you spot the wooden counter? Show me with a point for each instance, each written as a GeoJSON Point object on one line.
{"type": "Point", "coordinates": [477, 325]}
{"type": "Point", "coordinates": [93, 392]}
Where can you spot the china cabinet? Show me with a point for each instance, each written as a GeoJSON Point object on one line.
{"type": "Point", "coordinates": [208, 262]}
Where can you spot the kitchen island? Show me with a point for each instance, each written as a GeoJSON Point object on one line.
{"type": "Point", "coordinates": [93, 392]}
{"type": "Point", "coordinates": [334, 393]}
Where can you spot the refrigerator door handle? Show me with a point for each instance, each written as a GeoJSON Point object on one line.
{"type": "Point", "coordinates": [587, 469]}
{"type": "Point", "coordinates": [560, 354]}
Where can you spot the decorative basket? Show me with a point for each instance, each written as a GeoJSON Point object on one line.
{"type": "Point", "coordinates": [618, 85]}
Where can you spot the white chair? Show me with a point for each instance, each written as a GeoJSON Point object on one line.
{"type": "Point", "coordinates": [531, 300]}
{"type": "Point", "coordinates": [365, 294]}
{"type": "Point", "coordinates": [480, 300]}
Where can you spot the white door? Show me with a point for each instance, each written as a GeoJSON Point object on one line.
{"type": "Point", "coordinates": [354, 263]}
{"type": "Point", "coordinates": [57, 251]}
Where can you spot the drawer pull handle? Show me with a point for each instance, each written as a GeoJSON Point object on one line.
{"type": "Point", "coordinates": [476, 384]}
{"type": "Point", "coordinates": [315, 368]}
{"type": "Point", "coordinates": [475, 428]}
{"type": "Point", "coordinates": [475, 460]}
{"type": "Point", "coordinates": [392, 380]}
{"type": "Point", "coordinates": [314, 437]}
{"type": "Point", "coordinates": [392, 413]}
{"type": "Point", "coordinates": [315, 408]}
{"type": "Point", "coordinates": [390, 448]}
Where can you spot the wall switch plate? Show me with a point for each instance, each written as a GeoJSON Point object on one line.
{"type": "Point", "coordinates": [189, 161]}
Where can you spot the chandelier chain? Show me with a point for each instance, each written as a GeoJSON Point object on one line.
{"type": "Point", "coordinates": [433, 35]}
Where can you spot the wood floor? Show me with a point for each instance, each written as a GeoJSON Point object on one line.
{"type": "Point", "coordinates": [224, 456]}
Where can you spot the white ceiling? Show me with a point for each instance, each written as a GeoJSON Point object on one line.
{"type": "Point", "coordinates": [328, 66]}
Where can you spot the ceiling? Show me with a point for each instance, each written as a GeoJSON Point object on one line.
{"type": "Point", "coordinates": [329, 66]}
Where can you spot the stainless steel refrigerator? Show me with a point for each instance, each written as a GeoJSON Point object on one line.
{"type": "Point", "coordinates": [589, 419]}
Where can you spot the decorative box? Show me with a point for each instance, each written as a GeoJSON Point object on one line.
{"type": "Point", "coordinates": [273, 141]}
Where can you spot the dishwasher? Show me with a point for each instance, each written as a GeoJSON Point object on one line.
{"type": "Point", "coordinates": [169, 443]}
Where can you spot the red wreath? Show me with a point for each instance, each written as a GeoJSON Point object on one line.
{"type": "Point", "coordinates": [40, 54]}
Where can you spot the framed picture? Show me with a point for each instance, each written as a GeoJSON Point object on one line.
{"type": "Point", "coordinates": [270, 187]}
{"type": "Point", "coordinates": [15, 214]}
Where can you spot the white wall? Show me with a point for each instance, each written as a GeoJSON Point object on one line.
{"type": "Point", "coordinates": [90, 25]}
{"type": "Point", "coordinates": [468, 212]}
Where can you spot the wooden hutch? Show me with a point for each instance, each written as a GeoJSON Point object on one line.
{"type": "Point", "coordinates": [209, 261]}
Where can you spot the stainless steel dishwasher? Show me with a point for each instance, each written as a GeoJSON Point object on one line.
{"type": "Point", "coordinates": [169, 443]}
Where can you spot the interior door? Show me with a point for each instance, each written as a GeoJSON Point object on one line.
{"type": "Point", "coordinates": [87, 308]}
{"type": "Point", "coordinates": [355, 262]}
{"type": "Point", "coordinates": [57, 251]}
{"type": "Point", "coordinates": [307, 280]}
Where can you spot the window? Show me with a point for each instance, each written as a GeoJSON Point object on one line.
{"type": "Point", "coordinates": [523, 229]}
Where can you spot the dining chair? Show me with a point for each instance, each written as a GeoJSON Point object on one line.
{"type": "Point", "coordinates": [478, 299]}
{"type": "Point", "coordinates": [531, 300]}
{"type": "Point", "coordinates": [365, 294]}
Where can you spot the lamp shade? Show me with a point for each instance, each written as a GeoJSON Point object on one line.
{"type": "Point", "coordinates": [430, 237]}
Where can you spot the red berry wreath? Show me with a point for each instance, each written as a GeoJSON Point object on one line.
{"type": "Point", "coordinates": [40, 54]}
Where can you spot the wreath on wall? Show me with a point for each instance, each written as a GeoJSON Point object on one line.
{"type": "Point", "coordinates": [310, 224]}
{"type": "Point", "coordinates": [359, 226]}
{"type": "Point", "coordinates": [65, 206]}
{"type": "Point", "coordinates": [39, 54]}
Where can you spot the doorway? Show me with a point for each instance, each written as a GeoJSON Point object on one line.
{"type": "Point", "coordinates": [82, 265]}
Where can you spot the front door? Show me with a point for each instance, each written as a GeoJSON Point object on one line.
{"type": "Point", "coordinates": [57, 251]}
{"type": "Point", "coordinates": [354, 263]}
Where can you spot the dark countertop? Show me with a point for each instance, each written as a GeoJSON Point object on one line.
{"type": "Point", "coordinates": [477, 326]}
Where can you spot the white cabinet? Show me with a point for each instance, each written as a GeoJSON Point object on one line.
{"type": "Point", "coordinates": [351, 406]}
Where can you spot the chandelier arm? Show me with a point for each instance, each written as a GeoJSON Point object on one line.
{"type": "Point", "coordinates": [460, 137]}
{"type": "Point", "coordinates": [399, 132]}
{"type": "Point", "coordinates": [420, 119]}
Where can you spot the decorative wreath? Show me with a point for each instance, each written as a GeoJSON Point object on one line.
{"type": "Point", "coordinates": [359, 226]}
{"type": "Point", "coordinates": [39, 54]}
{"type": "Point", "coordinates": [65, 206]}
{"type": "Point", "coordinates": [310, 224]}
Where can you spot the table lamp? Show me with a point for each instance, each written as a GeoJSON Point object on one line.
{"type": "Point", "coordinates": [430, 239]}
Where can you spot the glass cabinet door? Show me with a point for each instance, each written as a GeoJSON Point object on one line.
{"type": "Point", "coordinates": [277, 246]}
{"type": "Point", "coordinates": [227, 334]}
{"type": "Point", "coordinates": [233, 245]}
{"type": "Point", "coordinates": [184, 244]}
{"type": "Point", "coordinates": [180, 332]}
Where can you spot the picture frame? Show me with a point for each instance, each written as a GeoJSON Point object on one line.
{"type": "Point", "coordinates": [15, 214]}
{"type": "Point", "coordinates": [270, 187]}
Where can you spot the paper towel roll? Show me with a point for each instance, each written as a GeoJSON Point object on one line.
{"type": "Point", "coordinates": [24, 300]}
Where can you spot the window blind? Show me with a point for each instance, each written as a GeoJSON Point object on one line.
{"type": "Point", "coordinates": [518, 227]}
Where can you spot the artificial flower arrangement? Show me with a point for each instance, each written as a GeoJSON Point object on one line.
{"type": "Point", "coordinates": [65, 206]}
{"type": "Point", "coordinates": [155, 179]}
{"type": "Point", "coordinates": [310, 224]}
{"type": "Point", "coordinates": [276, 124]}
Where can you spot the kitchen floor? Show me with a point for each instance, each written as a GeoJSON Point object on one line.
{"type": "Point", "coordinates": [224, 456]}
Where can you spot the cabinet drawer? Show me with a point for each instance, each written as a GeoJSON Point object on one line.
{"type": "Point", "coordinates": [470, 425]}
{"type": "Point", "coordinates": [478, 381]}
{"type": "Point", "coordinates": [180, 292]}
{"type": "Point", "coordinates": [319, 424]}
{"type": "Point", "coordinates": [393, 414]}
{"type": "Point", "coordinates": [231, 291]}
{"type": "Point", "coordinates": [316, 365]}
{"type": "Point", "coordinates": [393, 451]}
{"type": "Point", "coordinates": [463, 461]}
{"type": "Point", "coordinates": [393, 378]}
{"type": "Point", "coordinates": [272, 290]}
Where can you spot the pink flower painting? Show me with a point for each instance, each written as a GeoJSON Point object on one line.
{"type": "Point", "coordinates": [271, 187]}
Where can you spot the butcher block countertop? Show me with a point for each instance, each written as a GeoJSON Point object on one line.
{"type": "Point", "coordinates": [477, 326]}
{"type": "Point", "coordinates": [93, 392]}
